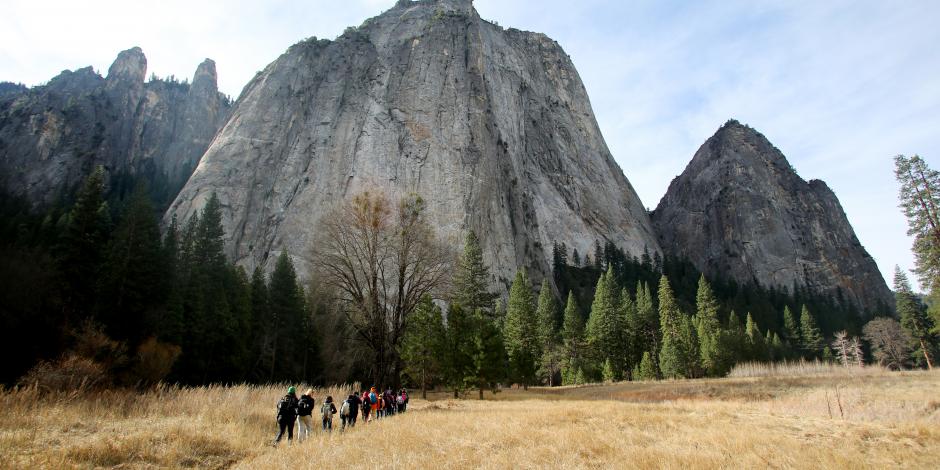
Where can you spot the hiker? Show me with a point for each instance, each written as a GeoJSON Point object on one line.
{"type": "Point", "coordinates": [327, 410]}
{"type": "Point", "coordinates": [345, 412]}
{"type": "Point", "coordinates": [374, 403]}
{"type": "Point", "coordinates": [286, 414]}
{"type": "Point", "coordinates": [304, 415]}
{"type": "Point", "coordinates": [354, 403]}
{"type": "Point", "coordinates": [366, 406]}
{"type": "Point", "coordinates": [401, 399]}
{"type": "Point", "coordinates": [389, 400]}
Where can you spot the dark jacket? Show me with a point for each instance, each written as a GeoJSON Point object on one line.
{"type": "Point", "coordinates": [287, 407]}
{"type": "Point", "coordinates": [354, 403]}
{"type": "Point", "coordinates": [305, 405]}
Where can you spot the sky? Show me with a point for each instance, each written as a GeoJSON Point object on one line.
{"type": "Point", "coordinates": [839, 86]}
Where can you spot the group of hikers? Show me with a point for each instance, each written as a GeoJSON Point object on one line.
{"type": "Point", "coordinates": [372, 404]}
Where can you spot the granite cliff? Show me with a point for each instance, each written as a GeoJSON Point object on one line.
{"type": "Point", "coordinates": [492, 126]}
{"type": "Point", "coordinates": [739, 210]}
{"type": "Point", "coordinates": [52, 135]}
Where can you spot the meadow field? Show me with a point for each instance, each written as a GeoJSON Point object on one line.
{"type": "Point", "coordinates": [865, 418]}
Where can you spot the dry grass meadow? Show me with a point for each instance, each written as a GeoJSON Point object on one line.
{"type": "Point", "coordinates": [866, 419]}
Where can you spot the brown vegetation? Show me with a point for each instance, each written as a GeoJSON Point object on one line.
{"type": "Point", "coordinates": [878, 420]}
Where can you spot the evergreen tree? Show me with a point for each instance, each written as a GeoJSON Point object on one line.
{"type": "Point", "coordinates": [629, 335]}
{"type": "Point", "coordinates": [674, 357]}
{"type": "Point", "coordinates": [811, 339]}
{"type": "Point", "coordinates": [920, 199]}
{"type": "Point", "coordinates": [286, 301]}
{"type": "Point", "coordinates": [472, 277]}
{"type": "Point", "coordinates": [264, 328]}
{"type": "Point", "coordinates": [755, 340]}
{"type": "Point", "coordinates": [736, 337]}
{"type": "Point", "coordinates": [170, 326]}
{"type": "Point", "coordinates": [488, 353]}
{"type": "Point", "coordinates": [791, 329]}
{"type": "Point", "coordinates": [82, 248]}
{"type": "Point", "coordinates": [598, 255]}
{"type": "Point", "coordinates": [914, 318]}
{"type": "Point", "coordinates": [521, 331]}
{"type": "Point", "coordinates": [133, 281]}
{"type": "Point", "coordinates": [605, 326]}
{"type": "Point", "coordinates": [646, 369]}
{"type": "Point", "coordinates": [572, 334]}
{"type": "Point", "coordinates": [646, 323]}
{"type": "Point", "coordinates": [422, 344]}
{"type": "Point", "coordinates": [459, 348]}
{"type": "Point", "coordinates": [548, 333]}
{"type": "Point", "coordinates": [712, 350]}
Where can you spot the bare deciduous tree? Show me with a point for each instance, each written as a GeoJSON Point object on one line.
{"type": "Point", "coordinates": [890, 344]}
{"type": "Point", "coordinates": [842, 347]}
{"type": "Point", "coordinates": [379, 261]}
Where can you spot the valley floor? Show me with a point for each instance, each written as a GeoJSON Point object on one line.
{"type": "Point", "coordinates": [878, 420]}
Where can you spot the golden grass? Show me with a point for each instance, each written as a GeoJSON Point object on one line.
{"type": "Point", "coordinates": [802, 368]}
{"type": "Point", "coordinates": [887, 420]}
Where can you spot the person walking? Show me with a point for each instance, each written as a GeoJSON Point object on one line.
{"type": "Point", "coordinates": [327, 410]}
{"type": "Point", "coordinates": [305, 415]}
{"type": "Point", "coordinates": [286, 414]}
{"type": "Point", "coordinates": [404, 397]}
{"type": "Point", "coordinates": [366, 406]}
{"type": "Point", "coordinates": [374, 403]}
{"type": "Point", "coordinates": [389, 399]}
{"type": "Point", "coordinates": [353, 403]}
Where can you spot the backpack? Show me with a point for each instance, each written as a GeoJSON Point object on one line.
{"type": "Point", "coordinates": [373, 398]}
{"type": "Point", "coordinates": [404, 396]}
{"type": "Point", "coordinates": [401, 400]}
{"type": "Point", "coordinates": [344, 410]}
{"type": "Point", "coordinates": [286, 406]}
{"type": "Point", "coordinates": [326, 410]}
{"type": "Point", "coordinates": [304, 407]}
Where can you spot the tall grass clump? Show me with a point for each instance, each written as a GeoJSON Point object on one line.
{"type": "Point", "coordinates": [801, 368]}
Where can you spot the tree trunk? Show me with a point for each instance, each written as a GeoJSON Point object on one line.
{"type": "Point", "coordinates": [424, 384]}
{"type": "Point", "coordinates": [455, 393]}
{"type": "Point", "coordinates": [923, 346]}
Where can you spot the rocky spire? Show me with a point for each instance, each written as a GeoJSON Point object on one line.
{"type": "Point", "coordinates": [130, 66]}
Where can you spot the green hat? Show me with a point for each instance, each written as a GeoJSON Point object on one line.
{"type": "Point", "coordinates": [291, 389]}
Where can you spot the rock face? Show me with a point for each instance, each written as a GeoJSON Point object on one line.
{"type": "Point", "coordinates": [739, 210]}
{"type": "Point", "coordinates": [51, 136]}
{"type": "Point", "coordinates": [492, 127]}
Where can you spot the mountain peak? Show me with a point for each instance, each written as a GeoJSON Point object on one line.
{"type": "Point", "coordinates": [206, 77]}
{"type": "Point", "coordinates": [130, 65]}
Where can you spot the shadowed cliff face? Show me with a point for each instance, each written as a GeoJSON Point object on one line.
{"type": "Point", "coordinates": [740, 211]}
{"type": "Point", "coordinates": [492, 127]}
{"type": "Point", "coordinates": [51, 136]}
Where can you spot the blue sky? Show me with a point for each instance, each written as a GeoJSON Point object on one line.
{"type": "Point", "coordinates": [839, 86]}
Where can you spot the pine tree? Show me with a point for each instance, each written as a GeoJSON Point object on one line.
{"type": "Point", "coordinates": [548, 333]}
{"type": "Point", "coordinates": [264, 328]}
{"type": "Point", "coordinates": [422, 344]}
{"type": "Point", "coordinates": [170, 326]}
{"type": "Point", "coordinates": [920, 199]}
{"type": "Point", "coordinates": [646, 323]}
{"type": "Point", "coordinates": [604, 332]}
{"type": "Point", "coordinates": [628, 335]}
{"type": "Point", "coordinates": [488, 353]}
{"type": "Point", "coordinates": [133, 282]}
{"type": "Point", "coordinates": [711, 347]}
{"type": "Point", "coordinates": [674, 356]}
{"type": "Point", "coordinates": [791, 329]}
{"type": "Point", "coordinates": [459, 348]}
{"type": "Point", "coordinates": [286, 302]}
{"type": "Point", "coordinates": [914, 318]}
{"type": "Point", "coordinates": [755, 340]}
{"type": "Point", "coordinates": [82, 248]}
{"type": "Point", "coordinates": [472, 277]}
{"type": "Point", "coordinates": [572, 334]}
{"type": "Point", "coordinates": [811, 340]}
{"type": "Point", "coordinates": [736, 338]}
{"type": "Point", "coordinates": [646, 369]}
{"type": "Point", "coordinates": [521, 331]}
